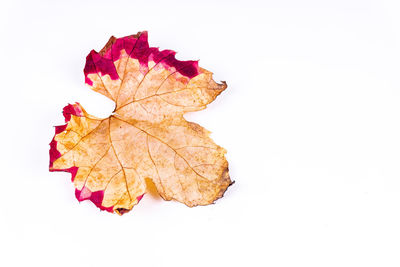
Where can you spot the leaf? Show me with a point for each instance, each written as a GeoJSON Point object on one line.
{"type": "Point", "coordinates": [146, 137]}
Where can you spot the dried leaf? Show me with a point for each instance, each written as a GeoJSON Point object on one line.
{"type": "Point", "coordinates": [146, 137]}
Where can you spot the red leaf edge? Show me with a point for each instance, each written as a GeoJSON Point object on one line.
{"type": "Point", "coordinates": [54, 153]}
{"type": "Point", "coordinates": [103, 62]}
{"type": "Point", "coordinates": [96, 197]}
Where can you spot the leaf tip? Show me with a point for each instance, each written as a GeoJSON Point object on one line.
{"type": "Point", "coordinates": [72, 109]}
{"type": "Point", "coordinates": [95, 197]}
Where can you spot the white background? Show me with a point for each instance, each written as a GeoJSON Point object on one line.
{"type": "Point", "coordinates": [310, 121]}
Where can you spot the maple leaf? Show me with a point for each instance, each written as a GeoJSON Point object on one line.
{"type": "Point", "coordinates": [146, 137]}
